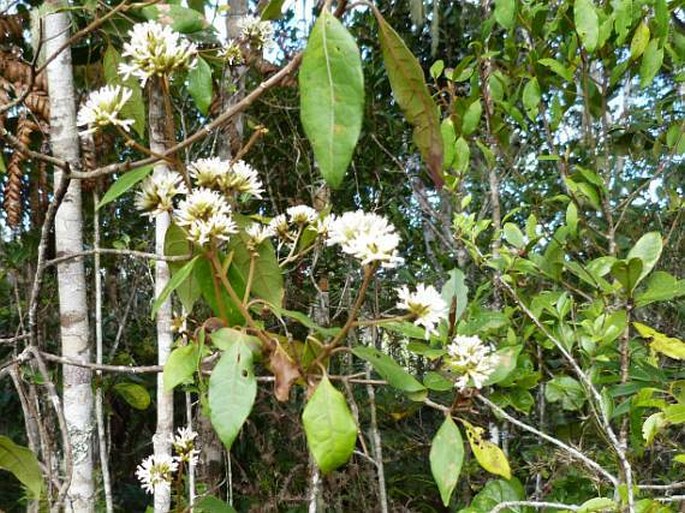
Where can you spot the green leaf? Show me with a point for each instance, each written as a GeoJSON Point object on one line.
{"type": "Point", "coordinates": [124, 183]}
{"type": "Point", "coordinates": [493, 494]}
{"type": "Point", "coordinates": [449, 140]}
{"type": "Point", "coordinates": [514, 236]}
{"type": "Point", "coordinates": [180, 366]}
{"type": "Point", "coordinates": [446, 458]}
{"type": "Point", "coordinates": [134, 394]}
{"type": "Point", "coordinates": [652, 426]}
{"type": "Point", "coordinates": [597, 504]}
{"type": "Point", "coordinates": [176, 280]}
{"type": "Point", "coordinates": [331, 96]}
{"type": "Point", "coordinates": [305, 321]}
{"type": "Point", "coordinates": [232, 391]}
{"type": "Point", "coordinates": [675, 413]}
{"type": "Point", "coordinates": [455, 293]}
{"type": "Point", "coordinates": [267, 281]}
{"type": "Point", "coordinates": [566, 390]}
{"type": "Point", "coordinates": [671, 347]}
{"type": "Point", "coordinates": [177, 244]}
{"type": "Point", "coordinates": [462, 155]}
{"type": "Point", "coordinates": [211, 504]}
{"type": "Point", "coordinates": [410, 91]}
{"type": "Point", "coordinates": [640, 41]}
{"type": "Point", "coordinates": [661, 286]}
{"type": "Point", "coordinates": [200, 85]}
{"type": "Point", "coordinates": [557, 68]}
{"type": "Point", "coordinates": [181, 19]}
{"type": "Point", "coordinates": [329, 427]}
{"type": "Point", "coordinates": [472, 117]}
{"type": "Point", "coordinates": [22, 463]}
{"type": "Point", "coordinates": [224, 338]}
{"type": "Point", "coordinates": [488, 455]}
{"type": "Point", "coordinates": [651, 63]}
{"type": "Point", "coordinates": [392, 372]}
{"type": "Point", "coordinates": [648, 250]}
{"type": "Point", "coordinates": [505, 13]}
{"type": "Point", "coordinates": [531, 98]}
{"type": "Point", "coordinates": [623, 19]}
{"type": "Point", "coordinates": [587, 23]}
{"type": "Point", "coordinates": [506, 363]}
{"type": "Point", "coordinates": [437, 382]}
{"type": "Point", "coordinates": [628, 273]}
{"type": "Point", "coordinates": [572, 218]}
{"type": "Point", "coordinates": [205, 276]}
{"type": "Point", "coordinates": [134, 108]}
{"type": "Point", "coordinates": [272, 11]}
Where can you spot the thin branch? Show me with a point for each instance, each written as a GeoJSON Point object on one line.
{"type": "Point", "coordinates": [533, 504]}
{"type": "Point", "coordinates": [121, 252]}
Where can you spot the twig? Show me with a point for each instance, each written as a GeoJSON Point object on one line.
{"type": "Point", "coordinates": [533, 504]}
{"type": "Point", "coordinates": [121, 252]}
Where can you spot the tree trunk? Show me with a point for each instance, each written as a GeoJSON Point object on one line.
{"type": "Point", "coordinates": [74, 330]}
{"type": "Point", "coordinates": [165, 400]}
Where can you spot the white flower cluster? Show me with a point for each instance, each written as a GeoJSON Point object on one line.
{"type": "Point", "coordinates": [472, 360]}
{"type": "Point", "coordinates": [289, 226]}
{"type": "Point", "coordinates": [425, 304]}
{"type": "Point", "coordinates": [155, 49]}
{"type": "Point", "coordinates": [232, 179]}
{"type": "Point", "coordinates": [367, 237]}
{"type": "Point", "coordinates": [257, 33]}
{"type": "Point", "coordinates": [103, 107]}
{"type": "Point", "coordinates": [206, 216]}
{"type": "Point", "coordinates": [232, 54]}
{"type": "Point", "coordinates": [157, 471]}
{"type": "Point", "coordinates": [158, 191]}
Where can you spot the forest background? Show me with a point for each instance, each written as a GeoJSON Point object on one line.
{"type": "Point", "coordinates": [528, 155]}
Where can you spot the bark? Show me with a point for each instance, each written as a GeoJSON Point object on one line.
{"type": "Point", "coordinates": [165, 400]}
{"type": "Point", "coordinates": [74, 330]}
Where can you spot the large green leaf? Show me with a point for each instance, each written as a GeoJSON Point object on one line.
{"type": "Point", "coordinates": [493, 494]}
{"type": "Point", "coordinates": [628, 273]}
{"type": "Point", "coordinates": [200, 85]}
{"type": "Point", "coordinates": [272, 10]}
{"type": "Point", "coordinates": [177, 244]}
{"type": "Point", "coordinates": [392, 372]}
{"type": "Point", "coordinates": [587, 23]}
{"type": "Point", "coordinates": [506, 363]}
{"type": "Point", "coordinates": [531, 98]}
{"type": "Point", "coordinates": [134, 394]}
{"type": "Point", "coordinates": [488, 455]}
{"type": "Point", "coordinates": [648, 249]}
{"type": "Point", "coordinates": [124, 183]}
{"type": "Point", "coordinates": [329, 426]}
{"type": "Point", "coordinates": [215, 294]}
{"type": "Point", "coordinates": [566, 390]}
{"type": "Point", "coordinates": [180, 366]}
{"type": "Point", "coordinates": [134, 108]}
{"type": "Point", "coordinates": [409, 88]}
{"type": "Point", "coordinates": [331, 96]}
{"type": "Point", "coordinates": [661, 286]}
{"type": "Point", "coordinates": [224, 338]}
{"type": "Point", "coordinates": [505, 13]}
{"type": "Point", "coordinates": [446, 458]}
{"type": "Point", "coordinates": [455, 293]}
{"type": "Point", "coordinates": [232, 391]}
{"type": "Point", "coordinates": [22, 463]}
{"type": "Point", "coordinates": [651, 62]}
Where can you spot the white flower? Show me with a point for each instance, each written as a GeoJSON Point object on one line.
{"type": "Point", "coordinates": [103, 107]}
{"type": "Point", "coordinates": [243, 179]}
{"type": "Point", "coordinates": [281, 228]}
{"type": "Point", "coordinates": [426, 304]}
{"type": "Point", "coordinates": [256, 32]}
{"type": "Point", "coordinates": [367, 237]}
{"type": "Point", "coordinates": [157, 192]}
{"type": "Point", "coordinates": [184, 445]}
{"type": "Point", "coordinates": [156, 471]}
{"type": "Point", "coordinates": [257, 234]}
{"type": "Point", "coordinates": [472, 359]}
{"type": "Point", "coordinates": [231, 179]}
{"type": "Point", "coordinates": [322, 225]}
{"type": "Point", "coordinates": [205, 215]}
{"type": "Point", "coordinates": [301, 214]}
{"type": "Point", "coordinates": [155, 49]}
{"type": "Point", "coordinates": [232, 54]}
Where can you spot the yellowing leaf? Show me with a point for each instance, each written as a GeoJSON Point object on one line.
{"type": "Point", "coordinates": [671, 347]}
{"type": "Point", "coordinates": [488, 455]}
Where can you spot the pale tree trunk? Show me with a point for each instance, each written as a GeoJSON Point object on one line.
{"type": "Point", "coordinates": [77, 391]}
{"type": "Point", "coordinates": [165, 400]}
{"type": "Point", "coordinates": [210, 471]}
